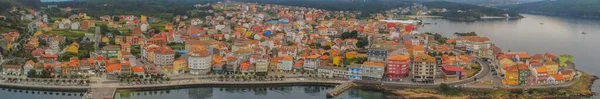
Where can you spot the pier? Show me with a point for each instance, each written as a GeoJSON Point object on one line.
{"type": "Point", "coordinates": [101, 93]}
{"type": "Point", "coordinates": [339, 89]}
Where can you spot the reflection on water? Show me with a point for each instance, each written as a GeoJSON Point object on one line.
{"type": "Point", "coordinates": [6, 93]}
{"type": "Point", "coordinates": [291, 92]}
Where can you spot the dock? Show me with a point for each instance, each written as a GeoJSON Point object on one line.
{"type": "Point", "coordinates": [101, 93]}
{"type": "Point", "coordinates": [339, 89]}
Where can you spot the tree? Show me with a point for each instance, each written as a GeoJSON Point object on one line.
{"type": "Point", "coordinates": [362, 42]}
{"type": "Point", "coordinates": [45, 73]}
{"type": "Point", "coordinates": [32, 73]}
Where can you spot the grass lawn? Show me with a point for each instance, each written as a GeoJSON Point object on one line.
{"type": "Point", "coordinates": [70, 34]}
{"type": "Point", "coordinates": [472, 72]}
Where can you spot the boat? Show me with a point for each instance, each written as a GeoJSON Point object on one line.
{"type": "Point", "coordinates": [541, 23]}
{"type": "Point", "coordinates": [583, 33]}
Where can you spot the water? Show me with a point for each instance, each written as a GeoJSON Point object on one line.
{"type": "Point", "coordinates": [290, 92]}
{"type": "Point", "coordinates": [6, 93]}
{"type": "Point", "coordinates": [559, 35]}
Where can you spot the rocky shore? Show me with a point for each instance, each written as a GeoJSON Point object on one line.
{"type": "Point", "coordinates": [581, 89]}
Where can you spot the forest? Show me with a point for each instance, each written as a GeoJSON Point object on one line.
{"type": "Point", "coordinates": [579, 8]}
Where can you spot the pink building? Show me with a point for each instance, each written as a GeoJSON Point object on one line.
{"type": "Point", "coordinates": [397, 67]}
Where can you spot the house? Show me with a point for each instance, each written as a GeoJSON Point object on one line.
{"type": "Point", "coordinates": [232, 65]}
{"type": "Point", "coordinates": [138, 70]}
{"type": "Point", "coordinates": [179, 66]}
{"type": "Point", "coordinates": [512, 75]}
{"type": "Point", "coordinates": [523, 73]}
{"type": "Point", "coordinates": [262, 65]}
{"type": "Point", "coordinates": [423, 68]}
{"type": "Point", "coordinates": [312, 62]}
{"type": "Point", "coordinates": [28, 66]}
{"type": "Point", "coordinates": [476, 45]}
{"type": "Point", "coordinates": [218, 67]}
{"type": "Point", "coordinates": [556, 79]}
{"type": "Point", "coordinates": [453, 73]}
{"type": "Point", "coordinates": [568, 74]}
{"type": "Point", "coordinates": [540, 75]}
{"type": "Point", "coordinates": [110, 51]}
{"type": "Point", "coordinates": [550, 57]}
{"type": "Point", "coordinates": [355, 72]}
{"type": "Point", "coordinates": [164, 56]}
{"type": "Point", "coordinates": [126, 68]}
{"type": "Point", "coordinates": [377, 54]}
{"type": "Point", "coordinates": [199, 61]}
{"type": "Point", "coordinates": [73, 48]}
{"type": "Point", "coordinates": [551, 67]}
{"type": "Point", "coordinates": [373, 70]}
{"type": "Point", "coordinates": [11, 70]}
{"type": "Point", "coordinates": [331, 72]}
{"type": "Point", "coordinates": [398, 66]}
{"type": "Point", "coordinates": [287, 63]}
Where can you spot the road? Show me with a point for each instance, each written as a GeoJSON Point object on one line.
{"type": "Point", "coordinates": [19, 45]}
{"type": "Point", "coordinates": [485, 70]}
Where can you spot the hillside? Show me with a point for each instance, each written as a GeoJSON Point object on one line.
{"type": "Point", "coordinates": [579, 8]}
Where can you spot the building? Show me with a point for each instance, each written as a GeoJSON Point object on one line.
{"type": "Point", "coordinates": [286, 63]}
{"type": "Point", "coordinates": [332, 72]}
{"type": "Point", "coordinates": [232, 65]}
{"type": "Point", "coordinates": [512, 75]}
{"type": "Point", "coordinates": [453, 73]}
{"type": "Point", "coordinates": [11, 69]}
{"type": "Point", "coordinates": [179, 66]}
{"type": "Point", "coordinates": [164, 56]}
{"type": "Point", "coordinates": [476, 45]}
{"type": "Point", "coordinates": [355, 72]}
{"type": "Point", "coordinates": [540, 75]}
{"type": "Point", "coordinates": [423, 68]}
{"type": "Point", "coordinates": [377, 54]}
{"type": "Point", "coordinates": [110, 51]}
{"type": "Point", "coordinates": [199, 61]}
{"type": "Point", "coordinates": [262, 65]}
{"type": "Point", "coordinates": [312, 62]}
{"type": "Point", "coordinates": [523, 74]}
{"type": "Point", "coordinates": [551, 67]}
{"type": "Point", "coordinates": [398, 66]}
{"type": "Point", "coordinates": [373, 70]}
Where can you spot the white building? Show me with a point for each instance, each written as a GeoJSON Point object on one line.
{"type": "Point", "coordinates": [199, 62]}
{"type": "Point", "coordinates": [164, 56]}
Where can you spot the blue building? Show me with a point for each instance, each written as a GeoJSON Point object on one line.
{"type": "Point", "coordinates": [355, 72]}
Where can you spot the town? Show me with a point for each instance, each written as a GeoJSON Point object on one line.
{"type": "Point", "coordinates": [248, 42]}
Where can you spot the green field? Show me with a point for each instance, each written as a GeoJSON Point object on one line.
{"type": "Point", "coordinates": [70, 34]}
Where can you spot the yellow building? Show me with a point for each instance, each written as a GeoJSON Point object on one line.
{"type": "Point", "coordinates": [34, 42]}
{"type": "Point", "coordinates": [179, 66]}
{"type": "Point", "coordinates": [73, 48]}
{"type": "Point", "coordinates": [512, 75]}
{"type": "Point", "coordinates": [551, 67]}
{"type": "Point", "coordinates": [350, 55]}
{"type": "Point", "coordinates": [37, 33]}
{"type": "Point", "coordinates": [337, 60]}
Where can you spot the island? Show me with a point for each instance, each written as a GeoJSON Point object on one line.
{"type": "Point", "coordinates": [63, 48]}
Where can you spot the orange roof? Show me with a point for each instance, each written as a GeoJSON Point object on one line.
{"type": "Point", "coordinates": [299, 63]}
{"type": "Point", "coordinates": [398, 57]}
{"type": "Point", "coordinates": [550, 55]}
{"type": "Point", "coordinates": [371, 63]}
{"type": "Point", "coordinates": [325, 57]}
{"type": "Point", "coordinates": [113, 67]}
{"type": "Point", "coordinates": [540, 70]}
{"type": "Point", "coordinates": [418, 47]}
{"type": "Point", "coordinates": [549, 63]}
{"type": "Point", "coordinates": [524, 55]}
{"type": "Point", "coordinates": [287, 58]}
{"type": "Point", "coordinates": [244, 66]}
{"type": "Point", "coordinates": [313, 56]}
{"type": "Point", "coordinates": [522, 67]}
{"type": "Point", "coordinates": [138, 69]}
{"type": "Point", "coordinates": [512, 69]}
{"type": "Point", "coordinates": [558, 77]}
